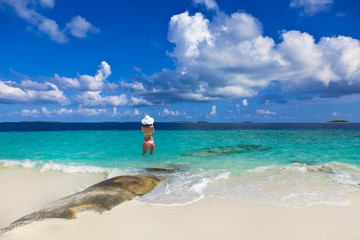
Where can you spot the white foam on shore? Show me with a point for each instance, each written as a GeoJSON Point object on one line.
{"type": "Point", "coordinates": [25, 163]}
{"type": "Point", "coordinates": [295, 185]}
{"type": "Point", "coordinates": [182, 188]}
{"type": "Point", "coordinates": [65, 168]}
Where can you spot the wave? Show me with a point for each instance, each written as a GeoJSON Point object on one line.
{"type": "Point", "coordinates": [65, 168]}
{"type": "Point", "coordinates": [294, 185]}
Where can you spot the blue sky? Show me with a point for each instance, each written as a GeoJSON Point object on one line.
{"type": "Point", "coordinates": [219, 61]}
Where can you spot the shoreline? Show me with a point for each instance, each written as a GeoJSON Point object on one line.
{"type": "Point", "coordinates": [208, 218]}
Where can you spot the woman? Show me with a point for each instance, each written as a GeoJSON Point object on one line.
{"type": "Point", "coordinates": [148, 129]}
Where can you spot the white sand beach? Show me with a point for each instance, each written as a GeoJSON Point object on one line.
{"type": "Point", "coordinates": [210, 218]}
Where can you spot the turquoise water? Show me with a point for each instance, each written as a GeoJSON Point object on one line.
{"type": "Point", "coordinates": [292, 168]}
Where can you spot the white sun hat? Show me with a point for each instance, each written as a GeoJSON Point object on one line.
{"type": "Point", "coordinates": [147, 120]}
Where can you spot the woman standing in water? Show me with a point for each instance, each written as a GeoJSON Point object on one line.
{"type": "Point", "coordinates": [148, 129]}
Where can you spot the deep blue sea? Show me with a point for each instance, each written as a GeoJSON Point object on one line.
{"type": "Point", "coordinates": [286, 164]}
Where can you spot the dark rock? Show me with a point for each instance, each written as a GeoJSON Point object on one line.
{"type": "Point", "coordinates": [138, 185]}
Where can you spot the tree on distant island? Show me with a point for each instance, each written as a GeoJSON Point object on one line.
{"type": "Point", "coordinates": [338, 121]}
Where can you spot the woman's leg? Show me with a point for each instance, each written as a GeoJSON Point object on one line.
{"type": "Point", "coordinates": [145, 148]}
{"type": "Point", "coordinates": [152, 148]}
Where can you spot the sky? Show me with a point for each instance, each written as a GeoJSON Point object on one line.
{"type": "Point", "coordinates": [188, 60]}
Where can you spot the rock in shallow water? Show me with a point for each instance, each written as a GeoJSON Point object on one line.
{"type": "Point", "coordinates": [100, 197]}
{"type": "Point", "coordinates": [226, 150]}
{"type": "Point", "coordinates": [161, 170]}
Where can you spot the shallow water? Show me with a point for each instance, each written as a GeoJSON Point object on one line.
{"type": "Point", "coordinates": [281, 164]}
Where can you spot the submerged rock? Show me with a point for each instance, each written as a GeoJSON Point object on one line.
{"type": "Point", "coordinates": [323, 169]}
{"type": "Point", "coordinates": [162, 170]}
{"type": "Point", "coordinates": [100, 197]}
{"type": "Point", "coordinates": [226, 150]}
{"type": "Point", "coordinates": [306, 162]}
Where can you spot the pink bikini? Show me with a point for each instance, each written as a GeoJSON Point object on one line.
{"type": "Point", "coordinates": [149, 143]}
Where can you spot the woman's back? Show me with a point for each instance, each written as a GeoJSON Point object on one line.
{"type": "Point", "coordinates": [147, 130]}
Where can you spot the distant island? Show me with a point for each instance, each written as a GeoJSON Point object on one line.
{"type": "Point", "coordinates": [190, 122]}
{"type": "Point", "coordinates": [41, 121]}
{"type": "Point", "coordinates": [338, 121]}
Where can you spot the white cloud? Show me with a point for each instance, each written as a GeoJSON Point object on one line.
{"type": "Point", "coordinates": [114, 111]}
{"type": "Point", "coordinates": [10, 93]}
{"type": "Point", "coordinates": [30, 85]}
{"type": "Point", "coordinates": [139, 101]}
{"type": "Point", "coordinates": [132, 113]}
{"type": "Point", "coordinates": [228, 57]}
{"type": "Point", "coordinates": [51, 28]}
{"type": "Point", "coordinates": [188, 32]}
{"type": "Point", "coordinates": [47, 3]}
{"type": "Point", "coordinates": [45, 111]}
{"type": "Point", "coordinates": [93, 98]}
{"type": "Point", "coordinates": [30, 113]}
{"type": "Point", "coordinates": [90, 111]}
{"type": "Point", "coordinates": [65, 82]}
{"type": "Point", "coordinates": [80, 28]}
{"type": "Point", "coordinates": [265, 112]}
{"type": "Point", "coordinates": [137, 86]}
{"type": "Point", "coordinates": [245, 102]}
{"type": "Point", "coordinates": [86, 82]}
{"type": "Point", "coordinates": [167, 112]}
{"type": "Point", "coordinates": [210, 4]}
{"type": "Point", "coordinates": [336, 114]}
{"type": "Point", "coordinates": [26, 10]}
{"type": "Point", "coordinates": [311, 7]}
{"type": "Point", "coordinates": [80, 111]}
{"type": "Point", "coordinates": [213, 110]}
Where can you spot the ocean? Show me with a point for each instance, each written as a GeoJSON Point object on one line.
{"type": "Point", "coordinates": [284, 164]}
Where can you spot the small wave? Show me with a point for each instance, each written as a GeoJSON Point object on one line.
{"type": "Point", "coordinates": [295, 185]}
{"type": "Point", "coordinates": [25, 163]}
{"type": "Point", "coordinates": [183, 187]}
{"type": "Point", "coordinates": [65, 168]}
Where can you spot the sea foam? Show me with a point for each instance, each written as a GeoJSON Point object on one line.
{"type": "Point", "coordinates": [65, 168]}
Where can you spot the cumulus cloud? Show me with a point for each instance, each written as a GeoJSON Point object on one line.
{"type": "Point", "coordinates": [213, 110]}
{"type": "Point", "coordinates": [30, 113]}
{"type": "Point", "coordinates": [89, 91]}
{"type": "Point", "coordinates": [265, 112]}
{"type": "Point", "coordinates": [11, 92]}
{"type": "Point", "coordinates": [245, 102]}
{"type": "Point", "coordinates": [311, 7]}
{"type": "Point", "coordinates": [86, 82]}
{"type": "Point", "coordinates": [93, 98]}
{"type": "Point", "coordinates": [167, 112]}
{"type": "Point", "coordinates": [80, 28]}
{"type": "Point", "coordinates": [80, 111]}
{"type": "Point", "coordinates": [47, 3]}
{"type": "Point", "coordinates": [139, 102]}
{"type": "Point", "coordinates": [132, 113]}
{"type": "Point", "coordinates": [228, 57]}
{"type": "Point", "coordinates": [28, 84]}
{"type": "Point", "coordinates": [210, 4]}
{"type": "Point", "coordinates": [26, 10]}
{"type": "Point", "coordinates": [188, 32]}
